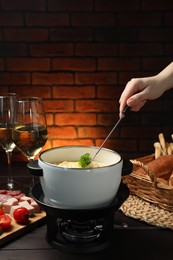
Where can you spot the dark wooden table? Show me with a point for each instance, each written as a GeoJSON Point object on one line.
{"type": "Point", "coordinates": [136, 241]}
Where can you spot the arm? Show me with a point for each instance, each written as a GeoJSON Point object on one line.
{"type": "Point", "coordinates": [139, 90]}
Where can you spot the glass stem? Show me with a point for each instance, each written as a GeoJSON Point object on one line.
{"type": "Point", "coordinates": [10, 179]}
{"type": "Point", "coordinates": [32, 178]}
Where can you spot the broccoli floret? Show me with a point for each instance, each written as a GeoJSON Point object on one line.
{"type": "Point", "coordinates": [85, 159]}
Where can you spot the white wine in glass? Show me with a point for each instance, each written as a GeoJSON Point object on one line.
{"type": "Point", "coordinates": [7, 117]}
{"type": "Point", "coordinates": [29, 132]}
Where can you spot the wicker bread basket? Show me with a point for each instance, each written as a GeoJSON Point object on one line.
{"type": "Point", "coordinates": [149, 188]}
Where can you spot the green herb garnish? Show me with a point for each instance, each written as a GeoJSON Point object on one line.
{"type": "Point", "coordinates": [85, 159]}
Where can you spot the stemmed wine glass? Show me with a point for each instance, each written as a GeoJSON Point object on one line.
{"type": "Point", "coordinates": [7, 117]}
{"type": "Point", "coordinates": [29, 132]}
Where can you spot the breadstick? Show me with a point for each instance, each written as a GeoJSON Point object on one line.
{"type": "Point", "coordinates": [171, 145]}
{"type": "Point", "coordinates": [162, 142]}
{"type": "Point", "coordinates": [158, 151]}
{"type": "Point", "coordinates": [169, 149]}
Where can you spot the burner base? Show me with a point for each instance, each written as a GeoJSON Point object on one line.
{"type": "Point", "coordinates": [76, 239]}
{"type": "Point", "coordinates": [57, 240]}
{"type": "Point", "coordinates": [82, 249]}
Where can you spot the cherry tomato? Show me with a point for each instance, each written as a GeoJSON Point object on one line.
{"type": "Point", "coordinates": [5, 221]}
{"type": "Point", "coordinates": [21, 215]}
{"type": "Point", "coordinates": [2, 212]}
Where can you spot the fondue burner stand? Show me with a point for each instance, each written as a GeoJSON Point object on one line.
{"type": "Point", "coordinates": [80, 230]}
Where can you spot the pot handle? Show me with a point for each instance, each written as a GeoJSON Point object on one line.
{"type": "Point", "coordinates": [34, 168]}
{"type": "Point", "coordinates": [127, 167]}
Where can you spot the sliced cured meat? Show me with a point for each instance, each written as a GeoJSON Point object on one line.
{"type": "Point", "coordinates": [13, 192]}
{"type": "Point", "coordinates": [3, 191]}
{"type": "Point", "coordinates": [6, 194]}
{"type": "Point", "coordinates": [4, 197]}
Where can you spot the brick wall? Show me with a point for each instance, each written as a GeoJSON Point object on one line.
{"type": "Point", "coordinates": [78, 56]}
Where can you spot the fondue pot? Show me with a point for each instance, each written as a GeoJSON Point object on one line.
{"type": "Point", "coordinates": [79, 188]}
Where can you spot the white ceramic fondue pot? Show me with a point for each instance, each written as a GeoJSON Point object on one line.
{"type": "Point", "coordinates": [79, 188]}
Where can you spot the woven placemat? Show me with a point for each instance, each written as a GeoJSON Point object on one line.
{"type": "Point", "coordinates": [142, 210]}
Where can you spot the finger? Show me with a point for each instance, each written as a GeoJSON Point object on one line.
{"type": "Point", "coordinates": [132, 87]}
{"type": "Point", "coordinates": [136, 106]}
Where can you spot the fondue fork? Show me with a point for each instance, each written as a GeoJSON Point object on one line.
{"type": "Point", "coordinates": [127, 108]}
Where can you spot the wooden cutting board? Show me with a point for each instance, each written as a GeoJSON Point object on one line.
{"type": "Point", "coordinates": [17, 230]}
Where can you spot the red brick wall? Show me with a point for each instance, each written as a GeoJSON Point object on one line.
{"type": "Point", "coordinates": [78, 56]}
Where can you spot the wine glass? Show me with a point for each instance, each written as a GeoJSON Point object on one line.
{"type": "Point", "coordinates": [29, 132]}
{"type": "Point", "coordinates": [7, 117]}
